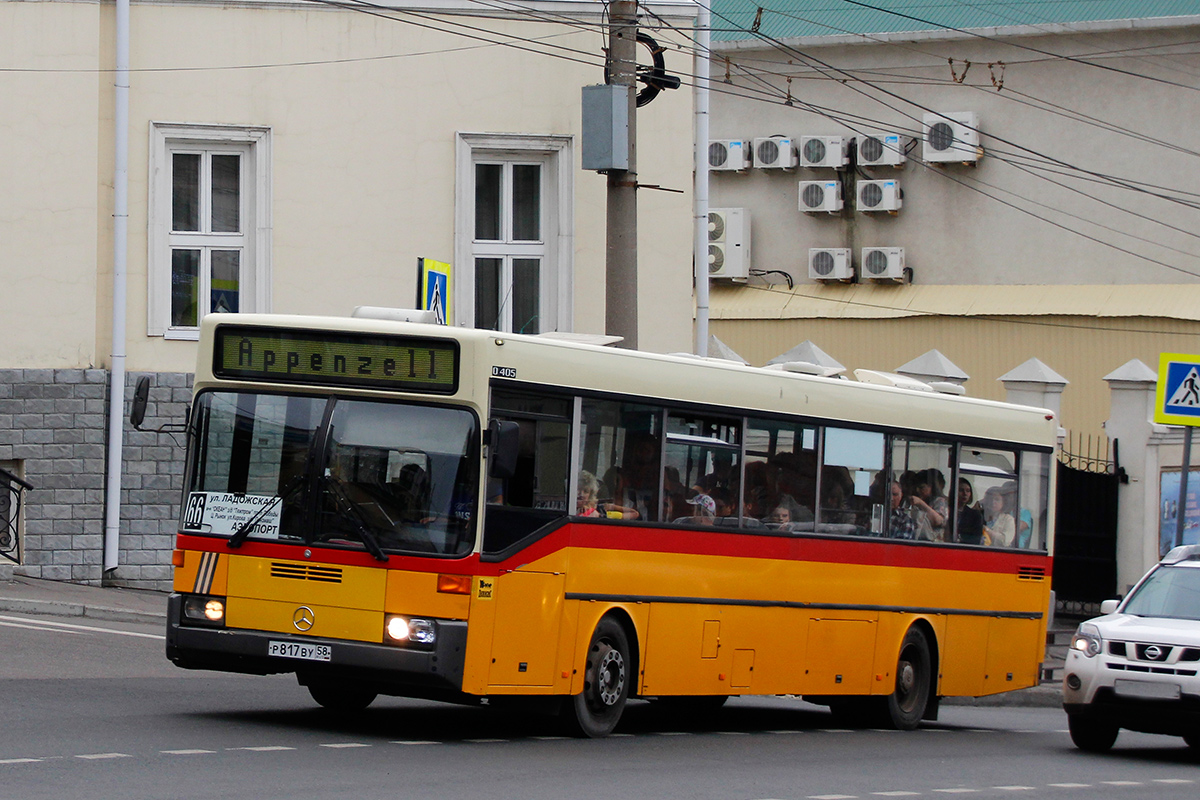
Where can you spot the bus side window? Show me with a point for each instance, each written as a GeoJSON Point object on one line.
{"type": "Point", "coordinates": [856, 458]}
{"type": "Point", "coordinates": [621, 445]}
{"type": "Point", "coordinates": [781, 474]}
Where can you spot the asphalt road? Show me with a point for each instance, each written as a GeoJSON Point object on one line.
{"type": "Point", "coordinates": [94, 710]}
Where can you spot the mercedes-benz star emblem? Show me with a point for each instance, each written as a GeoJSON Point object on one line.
{"type": "Point", "coordinates": [1153, 652]}
{"type": "Point", "coordinates": [303, 618]}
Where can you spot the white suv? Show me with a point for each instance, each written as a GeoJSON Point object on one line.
{"type": "Point", "coordinates": [1138, 666]}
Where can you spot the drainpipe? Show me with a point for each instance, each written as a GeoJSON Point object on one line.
{"type": "Point", "coordinates": [116, 391]}
{"type": "Point", "coordinates": [700, 256]}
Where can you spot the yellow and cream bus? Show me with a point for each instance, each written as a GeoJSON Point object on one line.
{"type": "Point", "coordinates": [394, 508]}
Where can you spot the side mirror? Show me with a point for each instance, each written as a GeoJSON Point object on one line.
{"type": "Point", "coordinates": [503, 447]}
{"type": "Point", "coordinates": [1109, 606]}
{"type": "Point", "coordinates": [141, 395]}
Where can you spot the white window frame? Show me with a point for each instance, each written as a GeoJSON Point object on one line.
{"type": "Point", "coordinates": [167, 138]}
{"type": "Point", "coordinates": [556, 154]}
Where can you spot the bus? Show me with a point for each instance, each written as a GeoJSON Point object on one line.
{"type": "Point", "coordinates": [395, 508]}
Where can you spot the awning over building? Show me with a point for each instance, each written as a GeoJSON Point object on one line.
{"type": "Point", "coordinates": [871, 301]}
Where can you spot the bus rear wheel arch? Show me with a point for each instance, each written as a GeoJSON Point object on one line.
{"type": "Point", "coordinates": [609, 674]}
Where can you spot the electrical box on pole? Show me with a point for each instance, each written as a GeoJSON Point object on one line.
{"type": "Point", "coordinates": [605, 132]}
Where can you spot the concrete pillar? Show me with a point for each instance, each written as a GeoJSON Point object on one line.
{"type": "Point", "coordinates": [933, 367]}
{"type": "Point", "coordinates": [1035, 384]}
{"type": "Point", "coordinates": [1130, 424]}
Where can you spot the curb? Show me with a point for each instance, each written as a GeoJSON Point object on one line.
{"type": "Point", "coordinates": [59, 608]}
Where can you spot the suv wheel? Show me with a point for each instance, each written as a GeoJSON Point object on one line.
{"type": "Point", "coordinates": [1092, 735]}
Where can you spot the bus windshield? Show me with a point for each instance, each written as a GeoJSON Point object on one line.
{"type": "Point", "coordinates": [390, 477]}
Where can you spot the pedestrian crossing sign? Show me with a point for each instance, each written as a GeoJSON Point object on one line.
{"type": "Point", "coordinates": [1177, 401]}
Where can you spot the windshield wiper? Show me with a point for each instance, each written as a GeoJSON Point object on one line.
{"type": "Point", "coordinates": [246, 527]}
{"type": "Point", "coordinates": [368, 539]}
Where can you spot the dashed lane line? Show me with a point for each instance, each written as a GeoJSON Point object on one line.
{"type": "Point", "coordinates": [192, 752]}
{"type": "Point", "coordinates": [20, 760]}
{"type": "Point", "coordinates": [414, 741]}
{"type": "Point", "coordinates": [897, 793]}
{"type": "Point", "coordinates": [340, 745]}
{"type": "Point", "coordinates": [269, 748]}
{"type": "Point", "coordinates": [102, 756]}
{"type": "Point", "coordinates": [1070, 785]}
{"type": "Point", "coordinates": [1122, 783]}
{"type": "Point", "coordinates": [832, 797]}
{"type": "Point", "coordinates": [1173, 780]}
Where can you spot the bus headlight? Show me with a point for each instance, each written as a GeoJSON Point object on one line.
{"type": "Point", "coordinates": [205, 610]}
{"type": "Point", "coordinates": [410, 631]}
{"type": "Point", "coordinates": [1087, 640]}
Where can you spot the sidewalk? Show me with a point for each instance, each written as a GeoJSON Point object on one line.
{"type": "Point", "coordinates": [34, 596]}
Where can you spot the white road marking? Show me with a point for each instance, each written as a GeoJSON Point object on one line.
{"type": "Point", "coordinates": [485, 741]}
{"type": "Point", "coordinates": [187, 752]}
{"type": "Point", "coordinates": [264, 749]}
{"type": "Point", "coordinates": [20, 760]}
{"type": "Point", "coordinates": [416, 741]}
{"type": "Point", "coordinates": [956, 790]}
{"type": "Point", "coordinates": [1122, 783]}
{"type": "Point", "coordinates": [67, 626]}
{"type": "Point", "coordinates": [732, 733]}
{"type": "Point", "coordinates": [832, 797]}
{"type": "Point", "coordinates": [40, 628]}
{"type": "Point", "coordinates": [1070, 785]}
{"type": "Point", "coordinates": [620, 736]}
{"type": "Point", "coordinates": [1173, 780]}
{"type": "Point", "coordinates": [1015, 788]}
{"type": "Point", "coordinates": [345, 744]}
{"type": "Point", "coordinates": [672, 733]}
{"type": "Point", "coordinates": [781, 732]}
{"type": "Point", "coordinates": [897, 793]}
{"type": "Point", "coordinates": [98, 756]}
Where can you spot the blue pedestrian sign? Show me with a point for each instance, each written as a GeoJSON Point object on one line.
{"type": "Point", "coordinates": [1177, 400]}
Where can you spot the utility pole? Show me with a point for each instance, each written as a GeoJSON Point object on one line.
{"type": "Point", "coordinates": [621, 303]}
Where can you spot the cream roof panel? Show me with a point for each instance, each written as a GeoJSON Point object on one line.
{"type": "Point", "coordinates": [869, 301]}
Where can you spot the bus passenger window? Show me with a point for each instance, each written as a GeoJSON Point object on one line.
{"type": "Point", "coordinates": [540, 480]}
{"type": "Point", "coordinates": [1033, 503]}
{"type": "Point", "coordinates": [620, 444]}
{"type": "Point", "coordinates": [920, 469]}
{"type": "Point", "coordinates": [856, 457]}
{"type": "Point", "coordinates": [781, 474]}
{"type": "Point", "coordinates": [988, 490]}
{"type": "Point", "coordinates": [701, 467]}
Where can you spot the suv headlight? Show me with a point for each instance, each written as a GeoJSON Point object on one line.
{"type": "Point", "coordinates": [1087, 640]}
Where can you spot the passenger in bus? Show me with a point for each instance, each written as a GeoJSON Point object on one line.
{"type": "Point", "coordinates": [587, 495]}
{"type": "Point", "coordinates": [704, 510]}
{"type": "Point", "coordinates": [969, 525]}
{"type": "Point", "coordinates": [786, 513]}
{"type": "Point", "coordinates": [999, 529]}
{"type": "Point", "coordinates": [616, 492]}
{"type": "Point", "coordinates": [930, 507]}
{"type": "Point", "coordinates": [836, 489]}
{"type": "Point", "coordinates": [1022, 516]}
{"type": "Point", "coordinates": [722, 476]}
{"type": "Point", "coordinates": [726, 508]}
{"type": "Point", "coordinates": [901, 524]}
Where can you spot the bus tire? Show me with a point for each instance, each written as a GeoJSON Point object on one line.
{"type": "Point", "coordinates": [341, 699]}
{"type": "Point", "coordinates": [914, 677]}
{"type": "Point", "coordinates": [596, 710]}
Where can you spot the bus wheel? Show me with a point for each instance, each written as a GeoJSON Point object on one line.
{"type": "Point", "coordinates": [595, 711]}
{"type": "Point", "coordinates": [342, 699]}
{"type": "Point", "coordinates": [906, 705]}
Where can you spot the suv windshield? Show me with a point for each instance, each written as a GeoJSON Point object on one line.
{"type": "Point", "coordinates": [344, 473]}
{"type": "Point", "coordinates": [1168, 591]}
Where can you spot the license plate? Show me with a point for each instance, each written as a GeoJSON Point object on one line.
{"type": "Point", "coordinates": [1147, 690]}
{"type": "Point", "coordinates": [307, 652]}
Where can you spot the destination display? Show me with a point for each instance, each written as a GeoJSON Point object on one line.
{"type": "Point", "coordinates": [336, 359]}
{"type": "Point", "coordinates": [224, 513]}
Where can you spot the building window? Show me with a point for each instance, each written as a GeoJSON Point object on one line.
{"type": "Point", "coordinates": [209, 223]}
{"type": "Point", "coordinates": [514, 222]}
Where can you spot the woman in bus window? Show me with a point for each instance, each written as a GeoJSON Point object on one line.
{"type": "Point", "coordinates": [930, 506]}
{"type": "Point", "coordinates": [901, 524]}
{"type": "Point", "coordinates": [969, 526]}
{"type": "Point", "coordinates": [999, 530]}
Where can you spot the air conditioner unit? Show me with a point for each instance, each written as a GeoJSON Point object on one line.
{"type": "Point", "coordinates": [729, 154]}
{"type": "Point", "coordinates": [883, 149]}
{"type": "Point", "coordinates": [830, 264]}
{"type": "Point", "coordinates": [775, 152]}
{"type": "Point", "coordinates": [821, 196]}
{"type": "Point", "coordinates": [824, 151]}
{"type": "Point", "coordinates": [952, 136]}
{"type": "Point", "coordinates": [873, 196]}
{"type": "Point", "coordinates": [728, 243]}
{"type": "Point", "coordinates": [883, 263]}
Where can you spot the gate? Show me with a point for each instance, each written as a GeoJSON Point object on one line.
{"type": "Point", "coordinates": [1085, 543]}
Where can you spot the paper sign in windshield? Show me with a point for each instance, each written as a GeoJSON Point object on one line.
{"type": "Point", "coordinates": [223, 513]}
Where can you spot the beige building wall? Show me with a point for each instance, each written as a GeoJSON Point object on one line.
{"type": "Point", "coordinates": [363, 113]}
{"type": "Point", "coordinates": [48, 194]}
{"type": "Point", "coordinates": [1080, 350]}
